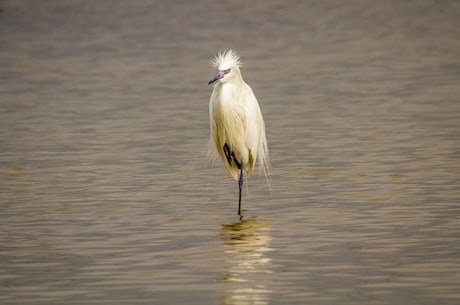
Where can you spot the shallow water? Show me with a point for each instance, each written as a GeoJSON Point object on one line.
{"type": "Point", "coordinates": [106, 193]}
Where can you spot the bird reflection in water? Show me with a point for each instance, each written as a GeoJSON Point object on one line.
{"type": "Point", "coordinates": [247, 273]}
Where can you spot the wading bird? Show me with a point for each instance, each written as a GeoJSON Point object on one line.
{"type": "Point", "coordinates": [237, 125]}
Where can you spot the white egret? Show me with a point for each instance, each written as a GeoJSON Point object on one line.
{"type": "Point", "coordinates": [236, 122]}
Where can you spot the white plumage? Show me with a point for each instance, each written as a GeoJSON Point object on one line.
{"type": "Point", "coordinates": [236, 122]}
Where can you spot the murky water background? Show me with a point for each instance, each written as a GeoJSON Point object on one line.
{"type": "Point", "coordinates": [106, 194]}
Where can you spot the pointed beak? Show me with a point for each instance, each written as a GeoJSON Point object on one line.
{"type": "Point", "coordinates": [218, 76]}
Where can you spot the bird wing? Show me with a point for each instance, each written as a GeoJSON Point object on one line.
{"type": "Point", "coordinates": [255, 139]}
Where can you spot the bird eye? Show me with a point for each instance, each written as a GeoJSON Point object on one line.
{"type": "Point", "coordinates": [226, 71]}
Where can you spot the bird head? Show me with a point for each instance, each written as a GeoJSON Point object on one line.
{"type": "Point", "coordinates": [228, 65]}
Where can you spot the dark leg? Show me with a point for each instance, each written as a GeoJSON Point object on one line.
{"type": "Point", "coordinates": [240, 185]}
{"type": "Point", "coordinates": [228, 153]}
{"type": "Point", "coordinates": [230, 156]}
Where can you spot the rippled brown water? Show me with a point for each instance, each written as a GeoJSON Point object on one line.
{"type": "Point", "coordinates": [106, 194]}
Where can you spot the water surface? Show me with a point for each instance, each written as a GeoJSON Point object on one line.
{"type": "Point", "coordinates": [106, 193]}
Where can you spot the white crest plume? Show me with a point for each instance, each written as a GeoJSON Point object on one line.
{"type": "Point", "coordinates": [226, 60]}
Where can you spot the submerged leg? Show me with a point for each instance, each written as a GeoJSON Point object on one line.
{"type": "Point", "coordinates": [240, 185]}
